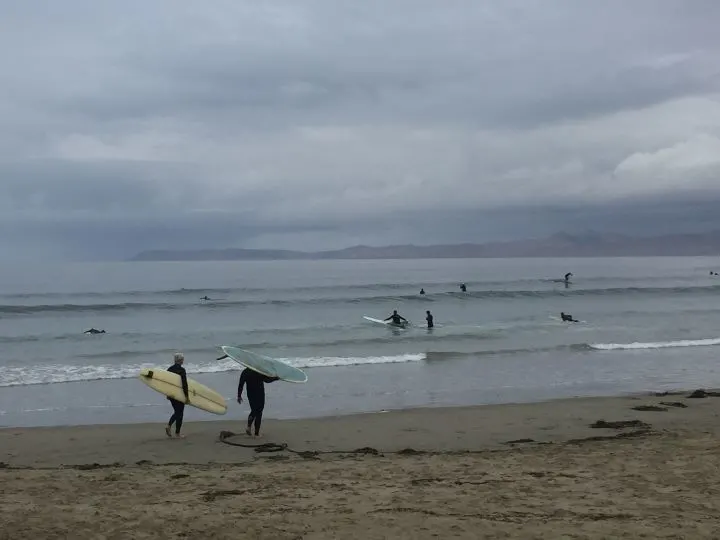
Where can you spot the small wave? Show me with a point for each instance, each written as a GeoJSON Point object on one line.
{"type": "Point", "coordinates": [50, 374]}
{"type": "Point", "coordinates": [655, 344]}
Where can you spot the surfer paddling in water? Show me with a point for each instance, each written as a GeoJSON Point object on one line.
{"type": "Point", "coordinates": [255, 383]}
{"type": "Point", "coordinates": [178, 406]}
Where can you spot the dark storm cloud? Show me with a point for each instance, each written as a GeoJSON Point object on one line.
{"type": "Point", "coordinates": [328, 122]}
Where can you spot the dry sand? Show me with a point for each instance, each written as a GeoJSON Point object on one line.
{"type": "Point", "coordinates": [463, 480]}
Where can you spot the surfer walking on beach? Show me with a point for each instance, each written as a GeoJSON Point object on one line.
{"type": "Point", "coordinates": [255, 383]}
{"type": "Point", "coordinates": [178, 406]}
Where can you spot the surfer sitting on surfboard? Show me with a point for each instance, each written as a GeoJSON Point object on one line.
{"type": "Point", "coordinates": [178, 406]}
{"type": "Point", "coordinates": [396, 318]}
{"type": "Point", "coordinates": [256, 396]}
{"type": "Point", "coordinates": [566, 317]}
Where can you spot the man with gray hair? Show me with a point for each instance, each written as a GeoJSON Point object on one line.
{"type": "Point", "coordinates": [178, 406]}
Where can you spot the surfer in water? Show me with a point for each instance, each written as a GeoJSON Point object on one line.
{"type": "Point", "coordinates": [567, 277]}
{"type": "Point", "coordinates": [566, 317]}
{"type": "Point", "coordinates": [430, 319]}
{"type": "Point", "coordinates": [255, 383]}
{"type": "Point", "coordinates": [397, 318]}
{"type": "Point", "coordinates": [178, 406]}
{"type": "Point", "coordinates": [463, 288]}
{"type": "Point", "coordinates": [422, 291]}
{"type": "Point", "coordinates": [94, 331]}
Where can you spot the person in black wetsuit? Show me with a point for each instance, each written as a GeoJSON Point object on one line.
{"type": "Point", "coordinates": [430, 320]}
{"type": "Point", "coordinates": [94, 331]}
{"type": "Point", "coordinates": [178, 406]}
{"type": "Point", "coordinates": [566, 317]}
{"type": "Point", "coordinates": [396, 318]}
{"type": "Point", "coordinates": [422, 291]}
{"type": "Point", "coordinates": [255, 383]}
{"type": "Point", "coordinates": [463, 288]}
{"type": "Point", "coordinates": [568, 276]}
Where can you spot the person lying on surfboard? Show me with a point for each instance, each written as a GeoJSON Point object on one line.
{"type": "Point", "coordinates": [396, 318]}
{"type": "Point", "coordinates": [255, 383]}
{"type": "Point", "coordinates": [94, 331]}
{"type": "Point", "coordinates": [178, 406]}
{"type": "Point", "coordinates": [566, 317]}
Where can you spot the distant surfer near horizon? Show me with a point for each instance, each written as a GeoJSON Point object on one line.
{"type": "Point", "coordinates": [463, 288]}
{"type": "Point", "coordinates": [430, 319]}
{"type": "Point", "coordinates": [568, 276]}
{"type": "Point", "coordinates": [178, 406]}
{"type": "Point", "coordinates": [205, 298]}
{"type": "Point", "coordinates": [255, 383]}
{"type": "Point", "coordinates": [422, 291]}
{"type": "Point", "coordinates": [94, 331]}
{"type": "Point", "coordinates": [396, 318]}
{"type": "Point", "coordinates": [566, 317]}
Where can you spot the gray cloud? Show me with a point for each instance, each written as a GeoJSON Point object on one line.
{"type": "Point", "coordinates": [323, 123]}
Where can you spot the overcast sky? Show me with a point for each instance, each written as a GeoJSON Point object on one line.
{"type": "Point", "coordinates": [324, 123]}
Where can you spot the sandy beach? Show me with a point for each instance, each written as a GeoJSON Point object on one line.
{"type": "Point", "coordinates": [509, 471]}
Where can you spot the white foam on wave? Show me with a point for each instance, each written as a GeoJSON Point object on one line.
{"type": "Point", "coordinates": [655, 344]}
{"type": "Point", "coordinates": [334, 361]}
{"type": "Point", "coordinates": [57, 373]}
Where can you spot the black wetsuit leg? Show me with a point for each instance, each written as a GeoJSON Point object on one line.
{"type": "Point", "coordinates": [257, 405]}
{"type": "Point", "coordinates": [177, 417]}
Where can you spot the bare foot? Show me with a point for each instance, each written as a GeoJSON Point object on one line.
{"type": "Point", "coordinates": [167, 431]}
{"type": "Point", "coordinates": [258, 436]}
{"type": "Point", "coordinates": [178, 436]}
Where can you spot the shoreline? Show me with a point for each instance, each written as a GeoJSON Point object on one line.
{"type": "Point", "coordinates": [426, 429]}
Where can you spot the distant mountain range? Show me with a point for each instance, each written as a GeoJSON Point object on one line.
{"type": "Point", "coordinates": [587, 244]}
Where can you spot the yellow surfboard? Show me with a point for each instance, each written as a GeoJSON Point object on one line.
{"type": "Point", "coordinates": [170, 384]}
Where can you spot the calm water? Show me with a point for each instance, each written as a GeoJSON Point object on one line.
{"type": "Point", "coordinates": [649, 323]}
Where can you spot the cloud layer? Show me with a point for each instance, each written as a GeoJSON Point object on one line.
{"type": "Point", "coordinates": [322, 123]}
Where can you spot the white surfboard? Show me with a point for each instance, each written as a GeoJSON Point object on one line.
{"type": "Point", "coordinates": [387, 323]}
{"type": "Point", "coordinates": [170, 384]}
{"type": "Point", "coordinates": [270, 367]}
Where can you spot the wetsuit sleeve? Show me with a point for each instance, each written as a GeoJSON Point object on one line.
{"type": "Point", "coordinates": [269, 379]}
{"type": "Point", "coordinates": [183, 378]}
{"type": "Point", "coordinates": [241, 384]}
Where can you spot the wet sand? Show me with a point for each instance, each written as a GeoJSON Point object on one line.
{"type": "Point", "coordinates": [424, 473]}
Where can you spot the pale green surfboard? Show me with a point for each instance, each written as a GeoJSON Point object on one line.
{"type": "Point", "coordinates": [265, 365]}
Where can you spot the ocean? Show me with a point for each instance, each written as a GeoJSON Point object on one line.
{"type": "Point", "coordinates": [648, 324]}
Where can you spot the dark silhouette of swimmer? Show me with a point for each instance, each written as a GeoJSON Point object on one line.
{"type": "Point", "coordinates": [463, 288]}
{"type": "Point", "coordinates": [430, 319]}
{"type": "Point", "coordinates": [568, 276]}
{"type": "Point", "coordinates": [566, 317]}
{"type": "Point", "coordinates": [94, 331]}
{"type": "Point", "coordinates": [422, 291]}
{"type": "Point", "coordinates": [205, 298]}
{"type": "Point", "coordinates": [396, 318]}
